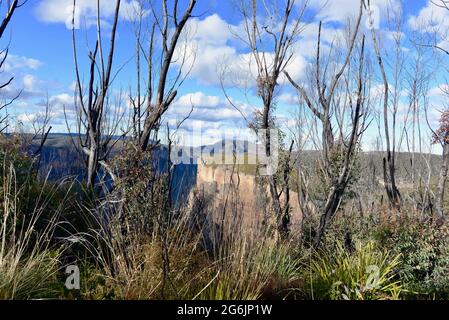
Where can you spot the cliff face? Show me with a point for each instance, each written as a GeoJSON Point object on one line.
{"type": "Point", "coordinates": [238, 197]}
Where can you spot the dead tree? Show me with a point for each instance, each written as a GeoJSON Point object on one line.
{"type": "Point", "coordinates": [422, 65]}
{"type": "Point", "coordinates": [441, 136]}
{"type": "Point", "coordinates": [331, 96]}
{"type": "Point", "coordinates": [276, 34]}
{"type": "Point", "coordinates": [41, 127]}
{"type": "Point", "coordinates": [12, 6]}
{"type": "Point", "coordinates": [151, 103]}
{"type": "Point", "coordinates": [92, 100]}
{"type": "Point", "coordinates": [389, 162]}
{"type": "Point", "coordinates": [10, 10]}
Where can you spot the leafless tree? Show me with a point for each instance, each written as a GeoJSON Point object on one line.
{"type": "Point", "coordinates": [151, 103]}
{"type": "Point", "coordinates": [335, 94]}
{"type": "Point", "coordinates": [391, 98]}
{"type": "Point", "coordinates": [419, 71]}
{"type": "Point", "coordinates": [440, 136]}
{"type": "Point", "coordinates": [93, 100]}
{"type": "Point", "coordinates": [270, 31]}
{"type": "Point", "coordinates": [11, 7]}
{"type": "Point", "coordinates": [41, 130]}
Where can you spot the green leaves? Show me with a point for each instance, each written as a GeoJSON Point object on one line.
{"type": "Point", "coordinates": [366, 274]}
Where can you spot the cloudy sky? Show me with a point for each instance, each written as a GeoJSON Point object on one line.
{"type": "Point", "coordinates": [41, 58]}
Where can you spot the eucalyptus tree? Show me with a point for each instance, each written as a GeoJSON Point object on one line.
{"type": "Point", "coordinates": [333, 93]}
{"type": "Point", "coordinates": [270, 31]}
{"type": "Point", "coordinates": [93, 99]}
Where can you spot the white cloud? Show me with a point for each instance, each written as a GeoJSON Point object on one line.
{"type": "Point", "coordinates": [430, 18]}
{"type": "Point", "coordinates": [62, 99]}
{"type": "Point", "coordinates": [341, 10]}
{"type": "Point", "coordinates": [23, 87]}
{"type": "Point", "coordinates": [210, 113]}
{"type": "Point", "coordinates": [202, 29]}
{"type": "Point", "coordinates": [27, 117]}
{"type": "Point", "coordinates": [439, 91]}
{"type": "Point", "coordinates": [30, 82]}
{"type": "Point", "coordinates": [214, 56]}
{"type": "Point", "coordinates": [206, 51]}
{"type": "Point", "coordinates": [288, 98]}
{"type": "Point", "coordinates": [14, 62]}
{"type": "Point", "coordinates": [61, 11]}
{"type": "Point", "coordinates": [198, 99]}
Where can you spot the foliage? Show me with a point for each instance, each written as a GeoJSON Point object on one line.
{"type": "Point", "coordinates": [328, 175]}
{"type": "Point", "coordinates": [442, 133]}
{"type": "Point", "coordinates": [365, 274]}
{"type": "Point", "coordinates": [253, 269]}
{"type": "Point", "coordinates": [424, 250]}
{"type": "Point", "coordinates": [28, 265]}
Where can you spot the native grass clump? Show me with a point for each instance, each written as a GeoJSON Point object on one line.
{"type": "Point", "coordinates": [30, 261]}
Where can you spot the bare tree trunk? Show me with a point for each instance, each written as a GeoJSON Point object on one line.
{"type": "Point", "coordinates": [96, 142]}
{"type": "Point", "coordinates": [389, 167]}
{"type": "Point", "coordinates": [165, 94]}
{"type": "Point", "coordinates": [332, 204]}
{"type": "Point", "coordinates": [328, 100]}
{"type": "Point", "coordinates": [279, 37]}
{"type": "Point", "coordinates": [439, 196]}
{"type": "Point", "coordinates": [92, 166]}
{"type": "Point", "coordinates": [12, 6]}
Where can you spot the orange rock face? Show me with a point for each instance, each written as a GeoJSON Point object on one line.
{"type": "Point", "coordinates": [238, 199]}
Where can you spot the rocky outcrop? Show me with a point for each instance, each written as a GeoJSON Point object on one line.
{"type": "Point", "coordinates": [236, 197]}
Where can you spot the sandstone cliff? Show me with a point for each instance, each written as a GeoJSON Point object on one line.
{"type": "Point", "coordinates": [236, 198]}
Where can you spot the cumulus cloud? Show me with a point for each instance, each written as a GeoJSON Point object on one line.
{"type": "Point", "coordinates": [60, 109]}
{"type": "Point", "coordinates": [430, 18]}
{"type": "Point", "coordinates": [62, 99]}
{"type": "Point", "coordinates": [438, 91]}
{"type": "Point", "coordinates": [205, 50]}
{"type": "Point", "coordinates": [215, 57]}
{"type": "Point", "coordinates": [342, 10]}
{"type": "Point", "coordinates": [206, 108]}
{"type": "Point", "coordinates": [30, 82]}
{"type": "Point", "coordinates": [61, 11]}
{"type": "Point", "coordinates": [198, 99]}
{"type": "Point", "coordinates": [24, 83]}
{"type": "Point", "coordinates": [27, 117]}
{"type": "Point", "coordinates": [14, 62]}
{"type": "Point", "coordinates": [24, 87]}
{"type": "Point", "coordinates": [289, 99]}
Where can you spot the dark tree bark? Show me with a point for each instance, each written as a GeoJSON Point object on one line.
{"type": "Point", "coordinates": [323, 112]}
{"type": "Point", "coordinates": [165, 95]}
{"type": "Point", "coordinates": [92, 101]}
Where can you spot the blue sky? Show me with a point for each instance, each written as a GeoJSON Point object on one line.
{"type": "Point", "coordinates": [41, 56]}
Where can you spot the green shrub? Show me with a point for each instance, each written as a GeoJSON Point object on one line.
{"type": "Point", "coordinates": [424, 250]}
{"type": "Point", "coordinates": [365, 274]}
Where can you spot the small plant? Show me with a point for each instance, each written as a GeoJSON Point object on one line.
{"type": "Point", "coordinates": [251, 269]}
{"type": "Point", "coordinates": [28, 265]}
{"type": "Point", "coordinates": [424, 250]}
{"type": "Point", "coordinates": [364, 274]}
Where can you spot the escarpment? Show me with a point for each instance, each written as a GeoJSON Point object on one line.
{"type": "Point", "coordinates": [237, 199]}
